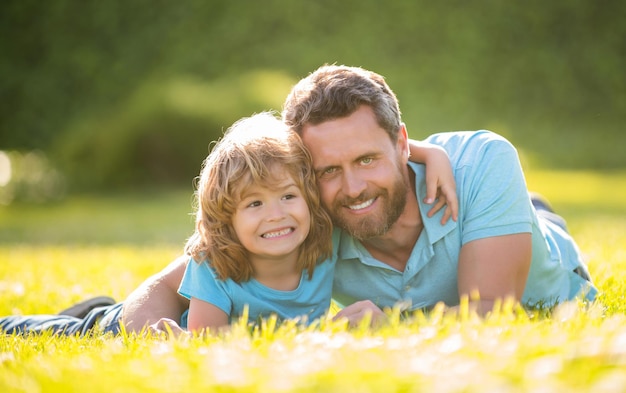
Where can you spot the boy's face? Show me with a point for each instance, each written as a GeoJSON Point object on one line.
{"type": "Point", "coordinates": [272, 222]}
{"type": "Point", "coordinates": [361, 173]}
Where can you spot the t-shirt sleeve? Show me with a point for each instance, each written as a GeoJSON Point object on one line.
{"type": "Point", "coordinates": [494, 194]}
{"type": "Point", "coordinates": [201, 282]}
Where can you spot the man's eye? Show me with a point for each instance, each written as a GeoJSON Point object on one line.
{"type": "Point", "coordinates": [367, 160]}
{"type": "Point", "coordinates": [329, 171]}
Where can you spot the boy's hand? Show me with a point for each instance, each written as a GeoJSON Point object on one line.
{"type": "Point", "coordinates": [441, 193]}
{"type": "Point", "coordinates": [440, 183]}
{"type": "Point", "coordinates": [441, 187]}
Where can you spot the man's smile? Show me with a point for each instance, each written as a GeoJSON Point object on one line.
{"type": "Point", "coordinates": [362, 205]}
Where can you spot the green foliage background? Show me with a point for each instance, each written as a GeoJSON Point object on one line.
{"type": "Point", "coordinates": [120, 93]}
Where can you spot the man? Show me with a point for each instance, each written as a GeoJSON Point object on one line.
{"type": "Point", "coordinates": [389, 250]}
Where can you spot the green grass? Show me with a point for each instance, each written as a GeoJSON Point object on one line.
{"type": "Point", "coordinates": [48, 266]}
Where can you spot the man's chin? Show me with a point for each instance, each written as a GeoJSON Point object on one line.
{"type": "Point", "coordinates": [363, 229]}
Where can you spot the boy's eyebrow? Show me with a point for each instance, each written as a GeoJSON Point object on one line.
{"type": "Point", "coordinates": [286, 185]}
{"type": "Point", "coordinates": [272, 185]}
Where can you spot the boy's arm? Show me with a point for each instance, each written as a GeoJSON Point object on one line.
{"type": "Point", "coordinates": [156, 298]}
{"type": "Point", "coordinates": [440, 184]}
{"type": "Point", "coordinates": [205, 316]}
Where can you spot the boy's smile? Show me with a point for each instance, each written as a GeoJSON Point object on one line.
{"type": "Point", "coordinates": [272, 222]}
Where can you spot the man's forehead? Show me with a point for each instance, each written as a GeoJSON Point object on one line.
{"type": "Point", "coordinates": [336, 150]}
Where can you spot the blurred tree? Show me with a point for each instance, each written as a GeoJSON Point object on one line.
{"type": "Point", "coordinates": [548, 75]}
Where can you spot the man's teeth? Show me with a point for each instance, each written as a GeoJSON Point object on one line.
{"type": "Point", "coordinates": [362, 205]}
{"type": "Point", "coordinates": [276, 234]}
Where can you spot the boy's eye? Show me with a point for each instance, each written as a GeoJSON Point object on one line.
{"type": "Point", "coordinates": [289, 196]}
{"type": "Point", "coordinates": [254, 204]}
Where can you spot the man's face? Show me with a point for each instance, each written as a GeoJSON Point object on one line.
{"type": "Point", "coordinates": [361, 173]}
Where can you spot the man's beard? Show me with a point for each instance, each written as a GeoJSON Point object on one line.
{"type": "Point", "coordinates": [377, 223]}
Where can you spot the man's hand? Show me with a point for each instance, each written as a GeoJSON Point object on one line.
{"type": "Point", "coordinates": [354, 313]}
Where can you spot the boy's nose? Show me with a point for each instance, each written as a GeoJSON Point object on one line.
{"type": "Point", "coordinates": [276, 211]}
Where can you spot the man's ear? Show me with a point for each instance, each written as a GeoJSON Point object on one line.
{"type": "Point", "coordinates": [402, 144]}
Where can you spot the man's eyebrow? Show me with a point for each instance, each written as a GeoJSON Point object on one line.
{"type": "Point", "coordinates": [322, 169]}
{"type": "Point", "coordinates": [369, 154]}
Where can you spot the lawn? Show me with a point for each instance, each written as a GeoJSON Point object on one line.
{"type": "Point", "coordinates": [54, 255]}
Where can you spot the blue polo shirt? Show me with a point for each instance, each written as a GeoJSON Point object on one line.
{"type": "Point", "coordinates": [493, 201]}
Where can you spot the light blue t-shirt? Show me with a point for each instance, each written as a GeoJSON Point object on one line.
{"type": "Point", "coordinates": [493, 201]}
{"type": "Point", "coordinates": [311, 299]}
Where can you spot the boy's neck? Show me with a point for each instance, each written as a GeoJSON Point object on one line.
{"type": "Point", "coordinates": [278, 275]}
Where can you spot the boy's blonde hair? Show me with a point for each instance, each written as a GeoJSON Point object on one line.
{"type": "Point", "coordinates": [254, 151]}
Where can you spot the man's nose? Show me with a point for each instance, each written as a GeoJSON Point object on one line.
{"type": "Point", "coordinates": [353, 185]}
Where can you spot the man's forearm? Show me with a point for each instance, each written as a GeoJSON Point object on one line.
{"type": "Point", "coordinates": [156, 298]}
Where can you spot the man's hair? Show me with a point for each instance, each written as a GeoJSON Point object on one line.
{"type": "Point", "coordinates": [259, 150]}
{"type": "Point", "coordinates": [332, 92]}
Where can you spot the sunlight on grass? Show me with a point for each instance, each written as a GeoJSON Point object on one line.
{"type": "Point", "coordinates": [576, 348]}
{"type": "Point", "coordinates": [575, 351]}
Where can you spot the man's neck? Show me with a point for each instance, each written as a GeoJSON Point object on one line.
{"type": "Point", "coordinates": [395, 247]}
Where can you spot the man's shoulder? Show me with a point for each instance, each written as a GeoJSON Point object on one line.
{"type": "Point", "coordinates": [462, 138]}
{"type": "Point", "coordinates": [466, 147]}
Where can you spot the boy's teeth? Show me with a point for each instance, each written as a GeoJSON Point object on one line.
{"type": "Point", "coordinates": [276, 234]}
{"type": "Point", "coordinates": [362, 205]}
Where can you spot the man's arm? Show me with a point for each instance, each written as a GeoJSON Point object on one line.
{"type": "Point", "coordinates": [496, 218]}
{"type": "Point", "coordinates": [495, 267]}
{"type": "Point", "coordinates": [156, 298]}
